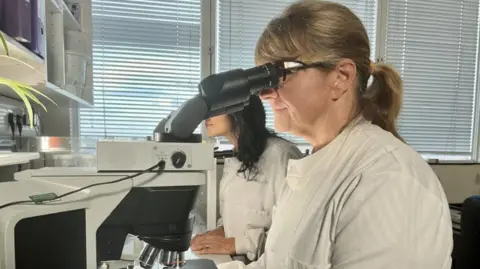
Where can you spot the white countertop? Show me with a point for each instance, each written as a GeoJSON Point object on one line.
{"type": "Point", "coordinates": [13, 158]}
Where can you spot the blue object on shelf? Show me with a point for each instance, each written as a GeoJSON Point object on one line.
{"type": "Point", "coordinates": [16, 19]}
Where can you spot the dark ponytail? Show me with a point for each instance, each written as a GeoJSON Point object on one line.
{"type": "Point", "coordinates": [382, 100]}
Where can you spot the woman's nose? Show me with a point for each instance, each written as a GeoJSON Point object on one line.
{"type": "Point", "coordinates": [268, 94]}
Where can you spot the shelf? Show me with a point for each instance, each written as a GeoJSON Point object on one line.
{"type": "Point", "coordinates": [13, 158]}
{"type": "Point", "coordinates": [54, 6]}
{"type": "Point", "coordinates": [14, 69]}
{"type": "Point", "coordinates": [20, 56]}
{"type": "Point", "coordinates": [73, 1]}
{"type": "Point", "coordinates": [61, 97]}
{"type": "Point", "coordinates": [70, 23]}
{"type": "Point", "coordinates": [26, 67]}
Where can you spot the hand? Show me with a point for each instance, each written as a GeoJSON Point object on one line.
{"type": "Point", "coordinates": [196, 239]}
{"type": "Point", "coordinates": [214, 244]}
{"type": "Point", "coordinates": [218, 231]}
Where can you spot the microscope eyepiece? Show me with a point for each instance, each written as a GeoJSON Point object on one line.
{"type": "Point", "coordinates": [218, 94]}
{"type": "Point", "coordinates": [229, 91]}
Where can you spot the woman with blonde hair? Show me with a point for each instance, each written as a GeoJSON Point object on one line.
{"type": "Point", "coordinates": [363, 199]}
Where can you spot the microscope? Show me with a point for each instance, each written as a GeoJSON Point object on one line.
{"type": "Point", "coordinates": [78, 218]}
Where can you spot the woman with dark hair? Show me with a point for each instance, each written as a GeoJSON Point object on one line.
{"type": "Point", "coordinates": [251, 182]}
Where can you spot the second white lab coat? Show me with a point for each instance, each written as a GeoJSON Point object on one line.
{"type": "Point", "coordinates": [246, 206]}
{"type": "Point", "coordinates": [364, 201]}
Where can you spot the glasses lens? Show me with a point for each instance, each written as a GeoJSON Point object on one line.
{"type": "Point", "coordinates": [286, 68]}
{"type": "Point", "coordinates": [290, 68]}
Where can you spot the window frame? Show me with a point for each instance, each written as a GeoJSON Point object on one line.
{"type": "Point", "coordinates": [208, 56]}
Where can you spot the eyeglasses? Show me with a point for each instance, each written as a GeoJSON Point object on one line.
{"type": "Point", "coordinates": [291, 67]}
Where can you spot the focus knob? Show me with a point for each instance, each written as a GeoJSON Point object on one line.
{"type": "Point", "coordinates": [178, 159]}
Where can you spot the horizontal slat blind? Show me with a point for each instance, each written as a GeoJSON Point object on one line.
{"type": "Point", "coordinates": [241, 22]}
{"type": "Point", "coordinates": [434, 45]}
{"type": "Point", "coordinates": [146, 62]}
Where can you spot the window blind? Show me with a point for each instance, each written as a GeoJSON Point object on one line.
{"type": "Point", "coordinates": [434, 45]}
{"type": "Point", "coordinates": [146, 62]}
{"type": "Point", "coordinates": [241, 22]}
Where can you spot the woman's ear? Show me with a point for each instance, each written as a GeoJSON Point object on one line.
{"type": "Point", "coordinates": [343, 77]}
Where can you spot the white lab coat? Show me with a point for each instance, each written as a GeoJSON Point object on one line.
{"type": "Point", "coordinates": [246, 206]}
{"type": "Point", "coordinates": [364, 201]}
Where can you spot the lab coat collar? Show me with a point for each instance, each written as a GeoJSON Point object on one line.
{"type": "Point", "coordinates": [301, 170]}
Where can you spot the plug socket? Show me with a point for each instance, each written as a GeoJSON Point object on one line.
{"type": "Point", "coordinates": [26, 120]}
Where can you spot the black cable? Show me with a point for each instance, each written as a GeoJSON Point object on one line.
{"type": "Point", "coordinates": [19, 128]}
{"type": "Point", "coordinates": [160, 165]}
{"type": "Point", "coordinates": [19, 124]}
{"type": "Point", "coordinates": [11, 122]}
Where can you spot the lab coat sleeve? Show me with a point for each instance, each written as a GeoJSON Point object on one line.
{"type": "Point", "coordinates": [275, 169]}
{"type": "Point", "coordinates": [232, 265]}
{"type": "Point", "coordinates": [220, 206]}
{"type": "Point", "coordinates": [392, 221]}
{"type": "Point", "coordinates": [279, 167]}
{"type": "Point", "coordinates": [220, 219]}
{"type": "Point", "coordinates": [248, 244]}
{"type": "Point", "coordinates": [259, 264]}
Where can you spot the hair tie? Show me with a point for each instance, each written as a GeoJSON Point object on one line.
{"type": "Point", "coordinates": [372, 67]}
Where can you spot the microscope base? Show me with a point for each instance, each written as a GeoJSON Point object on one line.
{"type": "Point", "coordinates": [191, 264]}
{"type": "Point", "coordinates": [200, 264]}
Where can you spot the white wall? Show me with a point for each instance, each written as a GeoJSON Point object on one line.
{"type": "Point", "coordinates": [459, 181]}
{"type": "Point", "coordinates": [56, 122]}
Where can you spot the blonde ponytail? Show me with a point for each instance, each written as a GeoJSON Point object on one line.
{"type": "Point", "coordinates": [382, 100]}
